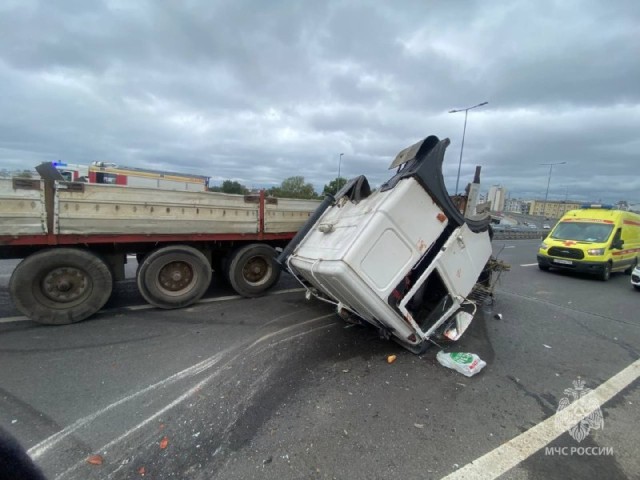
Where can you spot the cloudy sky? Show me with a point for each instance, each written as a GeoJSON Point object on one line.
{"type": "Point", "coordinates": [257, 91]}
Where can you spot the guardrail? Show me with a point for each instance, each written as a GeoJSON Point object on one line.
{"type": "Point", "coordinates": [511, 235]}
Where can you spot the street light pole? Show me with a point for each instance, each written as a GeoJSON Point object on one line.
{"type": "Point", "coordinates": [546, 195]}
{"type": "Point", "coordinates": [464, 130]}
{"type": "Point", "coordinates": [339, 165]}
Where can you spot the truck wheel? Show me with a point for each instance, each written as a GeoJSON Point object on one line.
{"type": "Point", "coordinates": [606, 272]}
{"type": "Point", "coordinates": [253, 269]}
{"type": "Point", "coordinates": [59, 286]}
{"type": "Point", "coordinates": [174, 276]}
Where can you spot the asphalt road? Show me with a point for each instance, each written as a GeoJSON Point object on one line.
{"type": "Point", "coordinates": [278, 387]}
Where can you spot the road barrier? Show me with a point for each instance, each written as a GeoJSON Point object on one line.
{"type": "Point", "coordinates": [511, 235]}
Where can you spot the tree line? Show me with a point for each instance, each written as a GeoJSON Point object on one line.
{"type": "Point", "coordinates": [292, 187]}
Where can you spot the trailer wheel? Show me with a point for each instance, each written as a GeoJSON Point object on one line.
{"type": "Point", "coordinates": [253, 269]}
{"type": "Point", "coordinates": [174, 276]}
{"type": "Point", "coordinates": [59, 286]}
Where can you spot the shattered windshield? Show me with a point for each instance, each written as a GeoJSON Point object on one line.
{"type": "Point", "coordinates": [582, 231]}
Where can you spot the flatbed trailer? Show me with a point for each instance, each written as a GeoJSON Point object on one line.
{"type": "Point", "coordinates": [74, 239]}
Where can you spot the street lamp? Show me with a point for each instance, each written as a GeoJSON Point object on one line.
{"type": "Point", "coordinates": [464, 130]}
{"type": "Point", "coordinates": [339, 164]}
{"type": "Point", "coordinates": [546, 195]}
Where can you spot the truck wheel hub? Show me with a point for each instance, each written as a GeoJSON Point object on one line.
{"type": "Point", "coordinates": [175, 276]}
{"type": "Point", "coordinates": [256, 269]}
{"type": "Point", "coordinates": [64, 284]}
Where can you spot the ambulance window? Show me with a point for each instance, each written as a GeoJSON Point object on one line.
{"type": "Point", "coordinates": [616, 238]}
{"type": "Point", "coordinates": [618, 235]}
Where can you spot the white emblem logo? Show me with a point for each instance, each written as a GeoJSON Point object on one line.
{"type": "Point", "coordinates": [578, 417]}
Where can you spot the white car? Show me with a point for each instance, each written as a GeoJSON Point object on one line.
{"type": "Point", "coordinates": [546, 226]}
{"type": "Point", "coordinates": [635, 278]}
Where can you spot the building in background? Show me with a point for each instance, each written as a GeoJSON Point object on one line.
{"type": "Point", "coordinates": [473, 193]}
{"type": "Point", "coordinates": [622, 205]}
{"type": "Point", "coordinates": [497, 196]}
{"type": "Point", "coordinates": [551, 209]}
{"type": "Point", "coordinates": [515, 205]}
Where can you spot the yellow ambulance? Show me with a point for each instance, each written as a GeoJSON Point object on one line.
{"type": "Point", "coordinates": [594, 239]}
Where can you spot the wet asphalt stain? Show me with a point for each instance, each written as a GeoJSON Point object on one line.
{"type": "Point", "coordinates": [548, 407]}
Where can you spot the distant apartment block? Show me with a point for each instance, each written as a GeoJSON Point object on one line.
{"type": "Point", "coordinates": [497, 196]}
{"type": "Point", "coordinates": [551, 209]}
{"type": "Point", "coordinates": [515, 205]}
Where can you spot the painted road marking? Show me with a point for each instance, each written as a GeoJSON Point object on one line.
{"type": "Point", "coordinates": [45, 445]}
{"type": "Point", "coordinates": [192, 391]}
{"type": "Point", "coordinates": [136, 308]}
{"type": "Point", "coordinates": [48, 443]}
{"type": "Point", "coordinates": [21, 318]}
{"type": "Point", "coordinates": [510, 454]}
{"type": "Point", "coordinates": [529, 264]}
{"type": "Point", "coordinates": [510, 246]}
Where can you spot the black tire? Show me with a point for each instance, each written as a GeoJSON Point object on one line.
{"type": "Point", "coordinates": [544, 268]}
{"type": "Point", "coordinates": [605, 275]}
{"type": "Point", "coordinates": [253, 269]}
{"type": "Point", "coordinates": [629, 270]}
{"type": "Point", "coordinates": [174, 276]}
{"type": "Point", "coordinates": [60, 286]}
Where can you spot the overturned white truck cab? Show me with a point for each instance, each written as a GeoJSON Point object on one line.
{"type": "Point", "coordinates": [401, 258]}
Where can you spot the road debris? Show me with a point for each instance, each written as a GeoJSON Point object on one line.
{"type": "Point", "coordinates": [467, 364]}
{"type": "Point", "coordinates": [498, 316]}
{"type": "Point", "coordinates": [95, 460]}
{"type": "Point", "coordinates": [391, 359]}
{"type": "Point", "coordinates": [418, 425]}
{"type": "Point", "coordinates": [545, 345]}
{"type": "Point", "coordinates": [164, 442]}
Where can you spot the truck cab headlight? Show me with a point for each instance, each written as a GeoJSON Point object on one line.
{"type": "Point", "coordinates": [595, 252]}
{"type": "Point", "coordinates": [544, 246]}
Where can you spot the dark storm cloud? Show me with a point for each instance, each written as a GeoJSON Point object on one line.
{"type": "Point", "coordinates": [257, 91]}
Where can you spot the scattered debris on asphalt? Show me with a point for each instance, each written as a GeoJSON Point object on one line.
{"type": "Point", "coordinates": [418, 425]}
{"type": "Point", "coordinates": [498, 316]}
{"type": "Point", "coordinates": [467, 364]}
{"type": "Point", "coordinates": [545, 345]}
{"type": "Point", "coordinates": [391, 359]}
{"type": "Point", "coordinates": [95, 460]}
{"type": "Point", "coordinates": [164, 442]}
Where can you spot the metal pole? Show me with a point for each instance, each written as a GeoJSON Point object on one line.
{"type": "Point", "coordinates": [546, 195]}
{"type": "Point", "coordinates": [464, 130]}
{"type": "Point", "coordinates": [339, 165]}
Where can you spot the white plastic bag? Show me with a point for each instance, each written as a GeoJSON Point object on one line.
{"type": "Point", "coordinates": [467, 364]}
